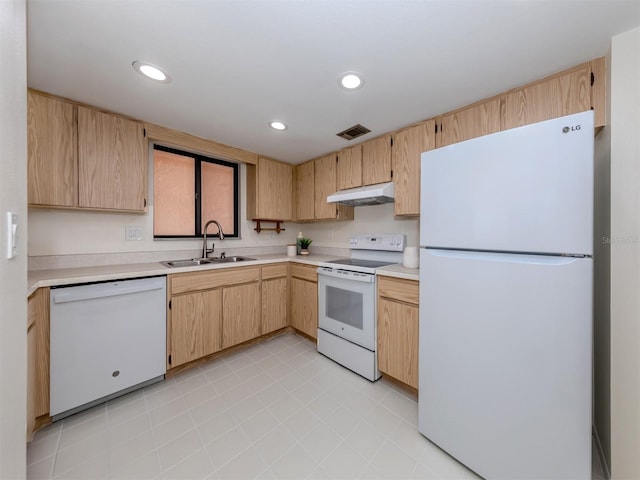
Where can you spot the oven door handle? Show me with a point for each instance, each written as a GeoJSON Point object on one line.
{"type": "Point", "coordinates": [346, 275]}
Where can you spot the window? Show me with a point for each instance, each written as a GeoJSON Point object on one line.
{"type": "Point", "coordinates": [189, 190]}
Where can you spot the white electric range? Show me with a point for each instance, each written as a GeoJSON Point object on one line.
{"type": "Point", "coordinates": [347, 330]}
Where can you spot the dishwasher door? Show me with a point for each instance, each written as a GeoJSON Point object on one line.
{"type": "Point", "coordinates": [106, 338]}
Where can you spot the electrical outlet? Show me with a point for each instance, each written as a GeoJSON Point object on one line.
{"type": "Point", "coordinates": [132, 233]}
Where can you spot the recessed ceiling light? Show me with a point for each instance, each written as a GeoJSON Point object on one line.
{"type": "Point", "coordinates": [278, 125]}
{"type": "Point", "coordinates": [151, 71]}
{"type": "Point", "coordinates": [351, 81]}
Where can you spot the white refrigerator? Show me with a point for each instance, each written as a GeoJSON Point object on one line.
{"type": "Point", "coordinates": [506, 275]}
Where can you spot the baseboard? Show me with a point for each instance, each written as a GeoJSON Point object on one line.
{"type": "Point", "coordinates": [600, 451]}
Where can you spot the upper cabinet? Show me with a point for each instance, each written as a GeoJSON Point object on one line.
{"type": "Point", "coordinates": [349, 169]}
{"type": "Point", "coordinates": [474, 121]}
{"type": "Point", "coordinates": [562, 94]}
{"type": "Point", "coordinates": [408, 146]}
{"type": "Point", "coordinates": [376, 160]}
{"type": "Point", "coordinates": [52, 144]}
{"type": "Point", "coordinates": [113, 162]}
{"type": "Point", "coordinates": [84, 158]}
{"type": "Point", "coordinates": [304, 191]}
{"type": "Point", "coordinates": [269, 190]}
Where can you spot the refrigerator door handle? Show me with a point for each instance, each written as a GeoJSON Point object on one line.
{"type": "Point", "coordinates": [503, 257]}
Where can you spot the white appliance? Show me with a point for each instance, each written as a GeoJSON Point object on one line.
{"type": "Point", "coordinates": [347, 330]}
{"type": "Point", "coordinates": [367, 195]}
{"type": "Point", "coordinates": [106, 340]}
{"type": "Point", "coordinates": [506, 232]}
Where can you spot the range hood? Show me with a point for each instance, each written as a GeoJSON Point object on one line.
{"type": "Point", "coordinates": [368, 195]}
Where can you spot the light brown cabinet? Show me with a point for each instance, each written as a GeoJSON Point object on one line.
{"type": "Point", "coordinates": [52, 146]}
{"type": "Point", "coordinates": [376, 160]}
{"type": "Point", "coordinates": [398, 321]}
{"type": "Point", "coordinates": [196, 326]}
{"type": "Point", "coordinates": [470, 122]}
{"type": "Point", "coordinates": [269, 190]}
{"type": "Point", "coordinates": [304, 191]}
{"type": "Point", "coordinates": [211, 310]}
{"type": "Point", "coordinates": [304, 299]}
{"type": "Point", "coordinates": [325, 184]}
{"type": "Point", "coordinates": [275, 297]}
{"type": "Point", "coordinates": [349, 168]}
{"type": "Point", "coordinates": [240, 313]}
{"type": "Point", "coordinates": [37, 359]}
{"type": "Point", "coordinates": [562, 94]}
{"type": "Point", "coordinates": [113, 160]}
{"type": "Point", "coordinates": [83, 158]}
{"type": "Point", "coordinates": [408, 146]}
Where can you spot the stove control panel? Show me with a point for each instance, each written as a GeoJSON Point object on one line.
{"type": "Point", "coordinates": [390, 242]}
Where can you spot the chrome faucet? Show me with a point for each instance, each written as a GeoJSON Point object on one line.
{"type": "Point", "coordinates": [206, 251]}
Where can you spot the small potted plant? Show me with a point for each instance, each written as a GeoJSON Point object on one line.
{"type": "Point", "coordinates": [304, 243]}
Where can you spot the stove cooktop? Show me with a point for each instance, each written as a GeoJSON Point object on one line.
{"type": "Point", "coordinates": [360, 263]}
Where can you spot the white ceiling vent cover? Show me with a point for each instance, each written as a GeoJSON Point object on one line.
{"type": "Point", "coordinates": [353, 132]}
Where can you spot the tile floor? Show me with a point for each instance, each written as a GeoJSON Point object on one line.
{"type": "Point", "coordinates": [275, 410]}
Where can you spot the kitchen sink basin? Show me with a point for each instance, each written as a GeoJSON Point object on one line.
{"type": "Point", "coordinates": [230, 259]}
{"type": "Point", "coordinates": [204, 261]}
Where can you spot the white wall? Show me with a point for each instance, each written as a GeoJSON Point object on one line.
{"type": "Point", "coordinates": [625, 255]}
{"type": "Point", "coordinates": [13, 273]}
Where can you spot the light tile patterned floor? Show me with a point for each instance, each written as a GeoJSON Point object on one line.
{"type": "Point", "coordinates": [277, 409]}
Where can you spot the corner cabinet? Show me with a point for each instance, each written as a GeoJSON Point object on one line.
{"type": "Point", "coordinates": [269, 190]}
{"type": "Point", "coordinates": [398, 325]}
{"type": "Point", "coordinates": [83, 158]}
{"type": "Point", "coordinates": [408, 146]}
{"type": "Point", "coordinates": [304, 299]}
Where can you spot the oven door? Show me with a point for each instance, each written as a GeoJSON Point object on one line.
{"type": "Point", "coordinates": [346, 305]}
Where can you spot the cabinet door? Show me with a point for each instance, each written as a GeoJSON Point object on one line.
{"type": "Point", "coordinates": [408, 146]}
{"type": "Point", "coordinates": [325, 185]}
{"type": "Point", "coordinates": [112, 157]}
{"type": "Point", "coordinates": [52, 161]}
{"type": "Point", "coordinates": [398, 340]}
{"type": "Point", "coordinates": [273, 194]}
{"type": "Point", "coordinates": [240, 314]}
{"type": "Point", "coordinates": [196, 325]}
{"type": "Point", "coordinates": [349, 168]}
{"type": "Point", "coordinates": [275, 304]}
{"type": "Point", "coordinates": [32, 384]}
{"type": "Point", "coordinates": [41, 311]}
{"type": "Point", "coordinates": [304, 306]}
{"type": "Point", "coordinates": [376, 160]}
{"type": "Point", "coordinates": [480, 119]}
{"type": "Point", "coordinates": [305, 198]}
{"type": "Point", "coordinates": [562, 94]}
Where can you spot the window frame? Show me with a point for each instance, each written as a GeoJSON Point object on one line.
{"type": "Point", "coordinates": [198, 159]}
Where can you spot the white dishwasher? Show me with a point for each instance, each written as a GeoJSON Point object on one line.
{"type": "Point", "coordinates": [107, 339]}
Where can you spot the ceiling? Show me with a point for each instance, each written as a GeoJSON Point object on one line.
{"type": "Point", "coordinates": [236, 65]}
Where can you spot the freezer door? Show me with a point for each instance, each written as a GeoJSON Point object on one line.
{"type": "Point", "coordinates": [505, 362]}
{"type": "Point", "coordinates": [529, 189]}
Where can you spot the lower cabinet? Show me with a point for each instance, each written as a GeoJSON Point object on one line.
{"type": "Point", "coordinates": [275, 297]}
{"type": "Point", "coordinates": [211, 310]}
{"type": "Point", "coordinates": [398, 321]}
{"type": "Point", "coordinates": [304, 299]}
{"type": "Point", "coordinates": [196, 325]}
{"type": "Point", "coordinates": [37, 358]}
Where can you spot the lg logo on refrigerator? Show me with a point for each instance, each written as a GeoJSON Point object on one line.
{"type": "Point", "coordinates": [571, 129]}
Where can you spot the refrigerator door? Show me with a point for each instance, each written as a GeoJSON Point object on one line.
{"type": "Point", "coordinates": [529, 189]}
{"type": "Point", "coordinates": [505, 362]}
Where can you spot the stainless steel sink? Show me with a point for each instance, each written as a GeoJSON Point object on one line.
{"type": "Point", "coordinates": [204, 261]}
{"type": "Point", "coordinates": [187, 263]}
{"type": "Point", "coordinates": [230, 259]}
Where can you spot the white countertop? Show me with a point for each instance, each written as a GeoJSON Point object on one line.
{"type": "Point", "coordinates": [70, 276]}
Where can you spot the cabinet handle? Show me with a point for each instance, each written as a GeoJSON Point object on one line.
{"type": "Point", "coordinates": [144, 200]}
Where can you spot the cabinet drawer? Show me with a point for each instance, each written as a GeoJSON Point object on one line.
{"type": "Point", "coordinates": [305, 272]}
{"type": "Point", "coordinates": [407, 291]}
{"type": "Point", "coordinates": [274, 271]}
{"type": "Point", "coordinates": [189, 282]}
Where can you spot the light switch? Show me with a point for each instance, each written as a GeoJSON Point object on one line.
{"type": "Point", "coordinates": [12, 230]}
{"type": "Point", "coordinates": [133, 233]}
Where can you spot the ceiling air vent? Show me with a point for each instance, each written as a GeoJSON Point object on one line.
{"type": "Point", "coordinates": [353, 132]}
